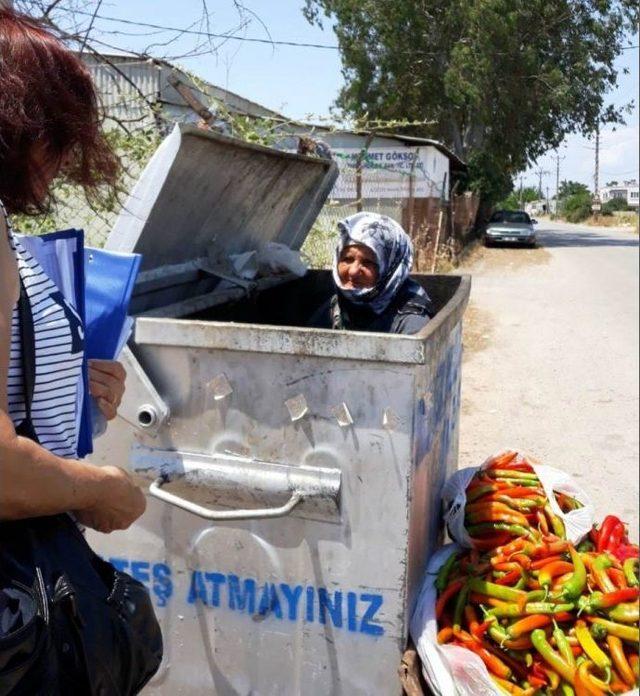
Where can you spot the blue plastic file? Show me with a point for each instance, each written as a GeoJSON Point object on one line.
{"type": "Point", "coordinates": [109, 279]}
{"type": "Point", "coordinates": [98, 284]}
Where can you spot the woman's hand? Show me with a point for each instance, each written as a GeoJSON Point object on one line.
{"type": "Point", "coordinates": [119, 504]}
{"type": "Point", "coordinates": [106, 385]}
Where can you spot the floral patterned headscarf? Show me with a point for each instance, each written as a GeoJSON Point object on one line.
{"type": "Point", "coordinates": [393, 251]}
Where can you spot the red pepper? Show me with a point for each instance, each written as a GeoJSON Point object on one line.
{"type": "Point", "coordinates": [616, 537]}
{"type": "Point", "coordinates": [625, 551]}
{"type": "Point", "coordinates": [618, 578]}
{"type": "Point", "coordinates": [608, 524]}
{"type": "Point", "coordinates": [450, 591]}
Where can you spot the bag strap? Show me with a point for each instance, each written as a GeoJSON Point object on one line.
{"type": "Point", "coordinates": [28, 361]}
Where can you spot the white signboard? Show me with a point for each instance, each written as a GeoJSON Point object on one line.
{"type": "Point", "coordinates": [387, 172]}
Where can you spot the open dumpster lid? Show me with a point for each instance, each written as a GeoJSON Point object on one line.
{"type": "Point", "coordinates": [204, 195]}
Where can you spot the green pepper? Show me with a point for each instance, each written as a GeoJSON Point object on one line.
{"type": "Point", "coordinates": [523, 504]}
{"type": "Point", "coordinates": [585, 546]}
{"type": "Point", "coordinates": [551, 657]}
{"type": "Point", "coordinates": [630, 572]}
{"type": "Point", "coordinates": [515, 529]}
{"type": "Point", "coordinates": [445, 570]}
{"type": "Point", "coordinates": [536, 595]}
{"type": "Point", "coordinates": [563, 645]}
{"type": "Point", "coordinates": [461, 601]}
{"type": "Point", "coordinates": [573, 588]}
{"type": "Point", "coordinates": [598, 631]}
{"type": "Point", "coordinates": [491, 589]}
{"type": "Point", "coordinates": [514, 610]}
{"type": "Point", "coordinates": [628, 633]}
{"type": "Point", "coordinates": [555, 521]}
{"type": "Point", "coordinates": [566, 690]}
{"type": "Point", "coordinates": [599, 570]}
{"type": "Point", "coordinates": [479, 491]}
{"type": "Point", "coordinates": [530, 483]}
{"type": "Point", "coordinates": [627, 612]}
{"type": "Point", "coordinates": [514, 474]}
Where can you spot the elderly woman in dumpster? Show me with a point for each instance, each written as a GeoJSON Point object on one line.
{"type": "Point", "coordinates": [371, 271]}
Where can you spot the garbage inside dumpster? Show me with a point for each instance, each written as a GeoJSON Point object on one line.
{"type": "Point", "coordinates": [527, 610]}
{"type": "Point", "coordinates": [294, 474]}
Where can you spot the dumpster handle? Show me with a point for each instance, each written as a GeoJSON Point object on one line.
{"type": "Point", "coordinates": [156, 490]}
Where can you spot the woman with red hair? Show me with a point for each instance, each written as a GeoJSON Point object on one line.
{"type": "Point", "coordinates": [49, 126]}
{"type": "Point", "coordinates": [97, 631]}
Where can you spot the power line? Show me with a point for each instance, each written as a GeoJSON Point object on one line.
{"type": "Point", "coordinates": [207, 33]}
{"type": "Point", "coordinates": [247, 39]}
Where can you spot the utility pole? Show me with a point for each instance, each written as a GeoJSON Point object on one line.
{"type": "Point", "coordinates": [548, 211]}
{"type": "Point", "coordinates": [540, 172]}
{"type": "Point", "coordinates": [558, 159]}
{"type": "Point", "coordinates": [596, 177]}
{"type": "Point", "coordinates": [520, 197]}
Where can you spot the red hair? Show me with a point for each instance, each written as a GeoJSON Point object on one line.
{"type": "Point", "coordinates": [48, 107]}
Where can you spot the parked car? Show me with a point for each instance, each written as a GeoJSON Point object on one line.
{"type": "Point", "coordinates": [512, 227]}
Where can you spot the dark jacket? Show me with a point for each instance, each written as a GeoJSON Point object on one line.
{"type": "Point", "coordinates": [409, 312]}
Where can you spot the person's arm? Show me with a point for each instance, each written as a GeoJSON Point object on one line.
{"type": "Point", "coordinates": [34, 483]}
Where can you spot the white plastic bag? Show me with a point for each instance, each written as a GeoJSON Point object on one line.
{"type": "Point", "coordinates": [577, 523]}
{"type": "Point", "coordinates": [449, 670]}
{"type": "Point", "coordinates": [274, 257]}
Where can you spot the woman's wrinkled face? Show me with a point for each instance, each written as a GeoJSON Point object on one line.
{"type": "Point", "coordinates": [357, 267]}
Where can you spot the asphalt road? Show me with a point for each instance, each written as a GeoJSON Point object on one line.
{"type": "Point", "coordinates": [551, 359]}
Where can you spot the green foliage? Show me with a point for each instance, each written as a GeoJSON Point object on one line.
{"type": "Point", "coordinates": [516, 200]}
{"type": "Point", "coordinates": [577, 207]}
{"type": "Point", "coordinates": [571, 188]}
{"type": "Point", "coordinates": [503, 81]}
{"type": "Point", "coordinates": [615, 204]}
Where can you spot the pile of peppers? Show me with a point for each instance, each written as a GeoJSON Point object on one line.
{"type": "Point", "coordinates": [544, 616]}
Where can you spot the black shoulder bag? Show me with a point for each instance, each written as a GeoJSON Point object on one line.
{"type": "Point", "coordinates": [70, 623]}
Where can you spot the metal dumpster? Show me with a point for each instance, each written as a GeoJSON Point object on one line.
{"type": "Point", "coordinates": [293, 474]}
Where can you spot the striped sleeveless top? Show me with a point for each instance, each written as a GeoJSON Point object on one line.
{"type": "Point", "coordinates": [59, 347]}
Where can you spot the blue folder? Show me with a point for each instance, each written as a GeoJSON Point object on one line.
{"type": "Point", "coordinates": [98, 284]}
{"type": "Point", "coordinates": [109, 278]}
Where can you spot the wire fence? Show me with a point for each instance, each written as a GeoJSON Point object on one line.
{"type": "Point", "coordinates": [438, 226]}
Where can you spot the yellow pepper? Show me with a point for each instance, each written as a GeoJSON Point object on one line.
{"type": "Point", "coordinates": [600, 658]}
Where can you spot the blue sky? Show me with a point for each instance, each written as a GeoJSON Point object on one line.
{"type": "Point", "coordinates": [302, 82]}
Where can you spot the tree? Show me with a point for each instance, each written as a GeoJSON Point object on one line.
{"type": "Point", "coordinates": [611, 183]}
{"type": "Point", "coordinates": [577, 207]}
{"type": "Point", "coordinates": [615, 204]}
{"type": "Point", "coordinates": [516, 199]}
{"type": "Point", "coordinates": [503, 80]}
{"type": "Point", "coordinates": [571, 188]}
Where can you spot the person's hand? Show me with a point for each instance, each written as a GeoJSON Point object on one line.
{"type": "Point", "coordinates": [118, 504]}
{"type": "Point", "coordinates": [106, 385]}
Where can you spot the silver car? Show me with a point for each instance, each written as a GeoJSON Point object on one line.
{"type": "Point", "coordinates": [511, 227]}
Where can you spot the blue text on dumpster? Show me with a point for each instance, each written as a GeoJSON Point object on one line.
{"type": "Point", "coordinates": [357, 612]}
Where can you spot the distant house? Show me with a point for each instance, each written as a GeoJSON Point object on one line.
{"type": "Point", "coordinates": [627, 191]}
{"type": "Point", "coordinates": [541, 207]}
